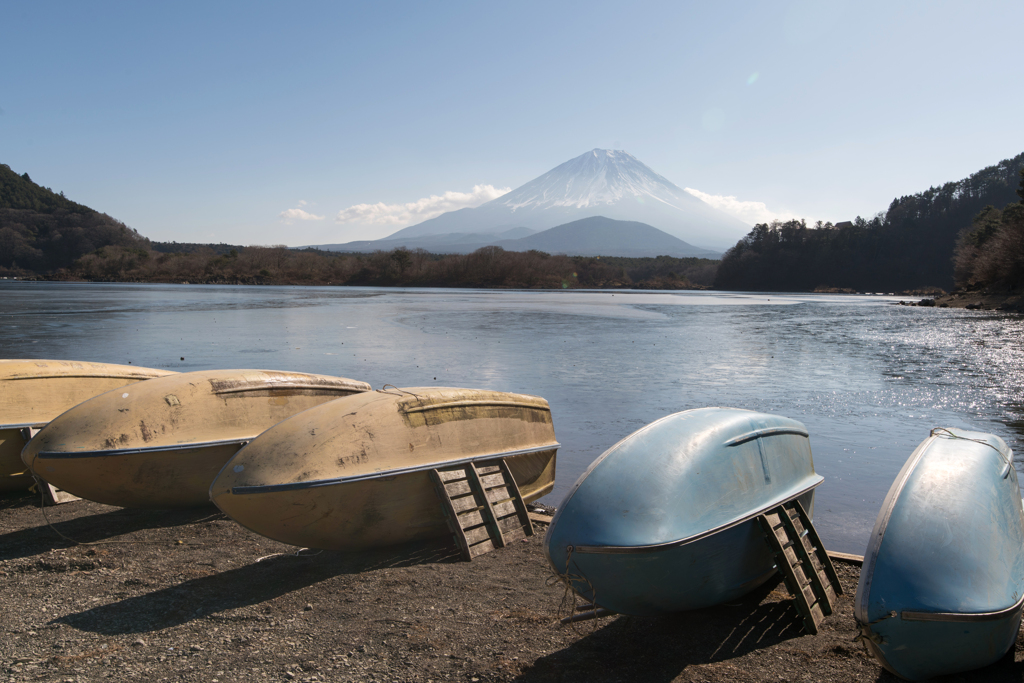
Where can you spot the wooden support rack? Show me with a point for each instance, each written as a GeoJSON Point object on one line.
{"type": "Point", "coordinates": [51, 494]}
{"type": "Point", "coordinates": [483, 506]}
{"type": "Point", "coordinates": [803, 562]}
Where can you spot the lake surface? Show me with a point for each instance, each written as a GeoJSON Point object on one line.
{"type": "Point", "coordinates": [867, 378]}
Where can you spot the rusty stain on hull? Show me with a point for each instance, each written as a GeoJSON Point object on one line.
{"type": "Point", "coordinates": [421, 410]}
{"type": "Point", "coordinates": [33, 392]}
{"type": "Point", "coordinates": [366, 459]}
{"type": "Point", "coordinates": [141, 457]}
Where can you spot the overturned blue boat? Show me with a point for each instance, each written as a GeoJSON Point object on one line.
{"type": "Point", "coordinates": [667, 519]}
{"type": "Point", "coordinates": [942, 587]}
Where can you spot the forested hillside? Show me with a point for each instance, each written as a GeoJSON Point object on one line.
{"type": "Point", "coordinates": [486, 267]}
{"type": "Point", "coordinates": [909, 246]}
{"type": "Point", "coordinates": [41, 231]}
{"type": "Point", "coordinates": [991, 253]}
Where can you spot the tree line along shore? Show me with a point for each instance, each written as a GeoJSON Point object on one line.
{"type": "Point", "coordinates": [486, 267]}
{"type": "Point", "coordinates": [966, 235]}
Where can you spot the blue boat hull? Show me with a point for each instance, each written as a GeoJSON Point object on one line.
{"type": "Point", "coordinates": [666, 520]}
{"type": "Point", "coordinates": [942, 587]}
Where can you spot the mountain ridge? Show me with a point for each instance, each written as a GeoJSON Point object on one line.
{"type": "Point", "coordinates": [43, 230]}
{"type": "Point", "coordinates": [610, 183]}
{"type": "Point", "coordinates": [590, 236]}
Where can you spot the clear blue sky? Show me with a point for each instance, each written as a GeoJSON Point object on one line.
{"type": "Point", "coordinates": [205, 121]}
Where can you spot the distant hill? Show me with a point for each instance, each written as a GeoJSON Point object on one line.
{"type": "Point", "coordinates": [602, 236]}
{"type": "Point", "coordinates": [19, 192]}
{"type": "Point", "coordinates": [449, 243]}
{"type": "Point", "coordinates": [909, 246]}
{"type": "Point", "coordinates": [41, 231]}
{"type": "Point", "coordinates": [593, 236]}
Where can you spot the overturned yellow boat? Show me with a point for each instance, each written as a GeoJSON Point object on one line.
{"type": "Point", "coordinates": [33, 392]}
{"type": "Point", "coordinates": [161, 443]}
{"type": "Point", "coordinates": [371, 470]}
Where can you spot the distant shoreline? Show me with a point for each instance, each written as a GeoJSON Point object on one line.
{"type": "Point", "coordinates": [1011, 302]}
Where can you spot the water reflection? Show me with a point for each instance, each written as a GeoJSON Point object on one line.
{"type": "Point", "coordinates": [867, 378]}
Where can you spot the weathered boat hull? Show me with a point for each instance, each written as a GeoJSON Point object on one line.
{"type": "Point", "coordinates": [355, 473]}
{"type": "Point", "coordinates": [942, 586]}
{"type": "Point", "coordinates": [160, 445]}
{"type": "Point", "coordinates": [33, 392]}
{"type": "Point", "coordinates": [666, 520]}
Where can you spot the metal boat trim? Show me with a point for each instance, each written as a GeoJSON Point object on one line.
{"type": "Point", "coordinates": [629, 549]}
{"type": "Point", "coordinates": [286, 386]}
{"type": "Point", "coordinates": [385, 474]}
{"type": "Point", "coordinates": [60, 455]}
{"type": "Point", "coordinates": [88, 376]}
{"type": "Point", "coordinates": [475, 404]}
{"type": "Point", "coordinates": [23, 425]}
{"type": "Point", "coordinates": [908, 615]}
{"type": "Point", "coordinates": [767, 431]}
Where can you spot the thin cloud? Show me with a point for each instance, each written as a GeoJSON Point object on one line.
{"type": "Point", "coordinates": [292, 215]}
{"type": "Point", "coordinates": [748, 212]}
{"type": "Point", "coordinates": [419, 210]}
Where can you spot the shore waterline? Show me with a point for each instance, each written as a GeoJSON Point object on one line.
{"type": "Point", "coordinates": [868, 379]}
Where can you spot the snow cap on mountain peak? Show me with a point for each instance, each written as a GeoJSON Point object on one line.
{"type": "Point", "coordinates": [602, 182]}
{"type": "Point", "coordinates": [597, 177]}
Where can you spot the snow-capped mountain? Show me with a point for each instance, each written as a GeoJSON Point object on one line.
{"type": "Point", "coordinates": [601, 182]}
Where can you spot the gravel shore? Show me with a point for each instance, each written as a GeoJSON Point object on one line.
{"type": "Point", "coordinates": [191, 596]}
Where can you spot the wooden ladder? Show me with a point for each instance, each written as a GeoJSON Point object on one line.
{"type": "Point", "coordinates": [482, 505]}
{"type": "Point", "coordinates": [803, 562]}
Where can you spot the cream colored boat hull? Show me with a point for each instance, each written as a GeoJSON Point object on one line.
{"type": "Point", "coordinates": [355, 473]}
{"type": "Point", "coordinates": [33, 392]}
{"type": "Point", "coordinates": [161, 444]}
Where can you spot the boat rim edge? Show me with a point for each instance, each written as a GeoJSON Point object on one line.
{"type": "Point", "coordinates": [655, 547]}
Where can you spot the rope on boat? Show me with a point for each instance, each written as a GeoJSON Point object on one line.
{"type": "Point", "coordinates": [943, 431]}
{"type": "Point", "coordinates": [400, 391]}
{"type": "Point", "coordinates": [40, 486]}
{"type": "Point", "coordinates": [568, 604]}
{"type": "Point", "coordinates": [865, 629]}
{"type": "Point", "coordinates": [297, 553]}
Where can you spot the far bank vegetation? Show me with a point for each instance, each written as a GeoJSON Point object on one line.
{"type": "Point", "coordinates": [486, 267]}
{"type": "Point", "coordinates": [967, 234]}
{"type": "Point", "coordinates": [990, 254]}
{"type": "Point", "coordinates": [908, 247]}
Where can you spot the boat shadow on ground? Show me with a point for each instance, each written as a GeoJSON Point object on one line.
{"type": "Point", "coordinates": [95, 528]}
{"type": "Point", "coordinates": [660, 648]}
{"type": "Point", "coordinates": [1005, 670]}
{"type": "Point", "coordinates": [252, 584]}
{"type": "Point", "coordinates": [11, 500]}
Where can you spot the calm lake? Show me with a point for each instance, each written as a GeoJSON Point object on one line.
{"type": "Point", "coordinates": [867, 378]}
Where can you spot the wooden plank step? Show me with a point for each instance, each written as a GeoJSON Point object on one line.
{"type": "Point", "coordinates": [465, 503]}
{"type": "Point", "coordinates": [481, 548]}
{"type": "Point", "coordinates": [470, 519]}
{"type": "Point", "coordinates": [451, 475]}
{"type": "Point", "coordinates": [459, 487]}
{"type": "Point", "coordinates": [477, 534]}
{"type": "Point", "coordinates": [492, 480]}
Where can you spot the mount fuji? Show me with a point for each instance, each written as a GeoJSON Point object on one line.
{"type": "Point", "coordinates": [602, 182]}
